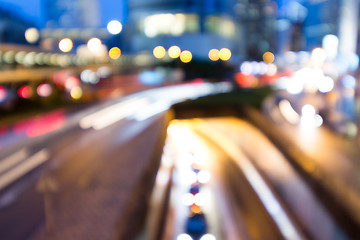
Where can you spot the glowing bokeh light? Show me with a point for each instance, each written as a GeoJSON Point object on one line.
{"type": "Point", "coordinates": [184, 236]}
{"type": "Point", "coordinates": [326, 84]}
{"type": "Point", "coordinates": [185, 56]}
{"type": "Point", "coordinates": [268, 57]}
{"type": "Point", "coordinates": [71, 82]}
{"type": "Point", "coordinates": [204, 176]}
{"type": "Point", "coordinates": [19, 57]}
{"type": "Point", "coordinates": [190, 176]}
{"type": "Point", "coordinates": [94, 44]}
{"type": "Point", "coordinates": [318, 55]}
{"type": "Point", "coordinates": [66, 45]}
{"type": "Point", "coordinates": [195, 209]}
{"type": "Point", "coordinates": [200, 199]}
{"type": "Point", "coordinates": [348, 81]}
{"type": "Point", "coordinates": [208, 236]}
{"type": "Point", "coordinates": [32, 35]}
{"type": "Point", "coordinates": [76, 93]}
{"type": "Point", "coordinates": [114, 53]}
{"type": "Point", "coordinates": [174, 51]}
{"type": "Point", "coordinates": [159, 52]}
{"type": "Point", "coordinates": [187, 199]}
{"type": "Point", "coordinates": [3, 93]}
{"type": "Point", "coordinates": [114, 27]}
{"type": "Point", "coordinates": [308, 110]}
{"type": "Point", "coordinates": [44, 90]}
{"type": "Point", "coordinates": [225, 54]}
{"type": "Point", "coordinates": [214, 54]}
{"type": "Point", "coordinates": [25, 92]}
{"type": "Point", "coordinates": [330, 44]}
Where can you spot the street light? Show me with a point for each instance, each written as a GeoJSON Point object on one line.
{"type": "Point", "coordinates": [94, 44]}
{"type": "Point", "coordinates": [32, 35]}
{"type": "Point", "coordinates": [114, 27]}
{"type": "Point", "coordinates": [65, 45]}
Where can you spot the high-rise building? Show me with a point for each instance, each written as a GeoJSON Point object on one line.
{"type": "Point", "coordinates": [71, 13]}
{"type": "Point", "coordinates": [198, 26]}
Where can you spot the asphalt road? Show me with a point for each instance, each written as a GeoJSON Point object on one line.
{"type": "Point", "coordinates": [258, 193]}
{"type": "Point", "coordinates": [86, 174]}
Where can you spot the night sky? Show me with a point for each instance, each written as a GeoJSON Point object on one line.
{"type": "Point", "coordinates": [110, 10]}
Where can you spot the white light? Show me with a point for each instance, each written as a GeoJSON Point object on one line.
{"type": "Point", "coordinates": [246, 68]}
{"type": "Point", "coordinates": [32, 35]}
{"type": "Point", "coordinates": [208, 237]}
{"type": "Point", "coordinates": [200, 199]}
{"type": "Point", "coordinates": [272, 69]}
{"type": "Point", "coordinates": [190, 177]}
{"type": "Point", "coordinates": [288, 112]}
{"type": "Point", "coordinates": [295, 87]}
{"type": "Point", "coordinates": [318, 55]}
{"type": "Point", "coordinates": [94, 44]}
{"type": "Point", "coordinates": [318, 120]}
{"type": "Point", "coordinates": [184, 236]}
{"type": "Point", "coordinates": [326, 84]}
{"type": "Point", "coordinates": [204, 176]}
{"type": "Point", "coordinates": [308, 110]}
{"type": "Point", "coordinates": [330, 44]}
{"type": "Point", "coordinates": [187, 199]}
{"type": "Point", "coordinates": [114, 27]}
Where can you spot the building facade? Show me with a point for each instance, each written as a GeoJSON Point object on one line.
{"type": "Point", "coordinates": [197, 26]}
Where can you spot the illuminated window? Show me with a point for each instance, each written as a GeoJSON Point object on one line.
{"type": "Point", "coordinates": [170, 24]}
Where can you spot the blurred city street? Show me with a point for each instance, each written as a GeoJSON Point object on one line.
{"type": "Point", "coordinates": [179, 120]}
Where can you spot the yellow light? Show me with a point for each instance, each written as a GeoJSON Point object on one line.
{"type": "Point", "coordinates": [94, 44]}
{"type": "Point", "coordinates": [174, 52]}
{"type": "Point", "coordinates": [268, 57]}
{"type": "Point", "coordinates": [76, 93]}
{"type": "Point", "coordinates": [225, 54]}
{"type": "Point", "coordinates": [185, 56]}
{"type": "Point", "coordinates": [65, 45]}
{"type": "Point", "coordinates": [159, 52]}
{"type": "Point", "coordinates": [32, 35]}
{"type": "Point", "coordinates": [214, 54]}
{"type": "Point", "coordinates": [114, 53]}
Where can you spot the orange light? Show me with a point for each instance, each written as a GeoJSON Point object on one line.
{"type": "Point", "coordinates": [195, 209]}
{"type": "Point", "coordinates": [268, 57]}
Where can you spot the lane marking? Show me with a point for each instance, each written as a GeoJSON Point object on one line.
{"type": "Point", "coordinates": [12, 160]}
{"type": "Point", "coordinates": [29, 164]}
{"type": "Point", "coordinates": [274, 208]}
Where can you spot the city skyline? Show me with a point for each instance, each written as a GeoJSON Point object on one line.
{"type": "Point", "coordinates": [32, 11]}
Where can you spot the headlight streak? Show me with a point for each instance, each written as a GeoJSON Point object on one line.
{"type": "Point", "coordinates": [269, 200]}
{"type": "Point", "coordinates": [146, 104]}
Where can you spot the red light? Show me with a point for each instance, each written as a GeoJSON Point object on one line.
{"type": "Point", "coordinates": [71, 82]}
{"type": "Point", "coordinates": [25, 92]}
{"type": "Point", "coordinates": [3, 93]}
{"type": "Point", "coordinates": [44, 90]}
{"type": "Point", "coordinates": [245, 80]}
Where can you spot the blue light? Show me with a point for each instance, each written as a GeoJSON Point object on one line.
{"type": "Point", "coordinates": [349, 81]}
{"type": "Point", "coordinates": [151, 78]}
